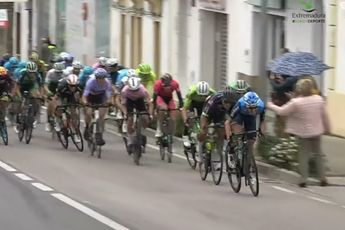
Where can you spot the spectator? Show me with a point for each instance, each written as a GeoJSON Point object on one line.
{"type": "Point", "coordinates": [307, 119]}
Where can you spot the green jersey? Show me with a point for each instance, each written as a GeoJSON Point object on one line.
{"type": "Point", "coordinates": [193, 96]}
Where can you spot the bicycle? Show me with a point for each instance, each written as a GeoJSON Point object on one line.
{"type": "Point", "coordinates": [27, 117]}
{"type": "Point", "coordinates": [69, 129]}
{"type": "Point", "coordinates": [138, 147]}
{"type": "Point", "coordinates": [208, 162]}
{"type": "Point", "coordinates": [240, 163]}
{"type": "Point", "coordinates": [165, 142]}
{"type": "Point", "coordinates": [191, 151]}
{"type": "Point", "coordinates": [3, 126]}
{"type": "Point", "coordinates": [95, 129]}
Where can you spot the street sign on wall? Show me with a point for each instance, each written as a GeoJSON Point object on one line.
{"type": "Point", "coordinates": [3, 18]}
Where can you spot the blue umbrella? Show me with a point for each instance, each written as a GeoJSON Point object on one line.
{"type": "Point", "coordinates": [297, 64]}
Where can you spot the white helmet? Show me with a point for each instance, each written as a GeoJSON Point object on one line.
{"type": "Point", "coordinates": [112, 62]}
{"type": "Point", "coordinates": [131, 73]}
{"type": "Point", "coordinates": [203, 88]}
{"type": "Point", "coordinates": [77, 65]}
{"type": "Point", "coordinates": [133, 83]}
{"type": "Point", "coordinates": [72, 79]}
{"type": "Point", "coordinates": [102, 61]}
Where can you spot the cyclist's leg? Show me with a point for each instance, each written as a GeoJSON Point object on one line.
{"type": "Point", "coordinates": [3, 107]}
{"type": "Point", "coordinates": [173, 113]}
{"type": "Point", "coordinates": [161, 105]}
{"type": "Point", "coordinates": [130, 123]}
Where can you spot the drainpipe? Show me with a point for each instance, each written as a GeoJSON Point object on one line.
{"type": "Point", "coordinates": [262, 83]}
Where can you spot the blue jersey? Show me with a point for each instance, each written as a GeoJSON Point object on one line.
{"type": "Point", "coordinates": [121, 74]}
{"type": "Point", "coordinates": [240, 109]}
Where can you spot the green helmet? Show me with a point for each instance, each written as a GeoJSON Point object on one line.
{"type": "Point", "coordinates": [144, 69]}
{"type": "Point", "coordinates": [240, 86]}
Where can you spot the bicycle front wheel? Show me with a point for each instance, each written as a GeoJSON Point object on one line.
{"type": "Point", "coordinates": [28, 133]}
{"type": "Point", "coordinates": [77, 139]}
{"type": "Point", "coordinates": [233, 171]}
{"type": "Point", "coordinates": [63, 137]}
{"type": "Point", "coordinates": [204, 166]}
{"type": "Point", "coordinates": [216, 166]}
{"type": "Point", "coordinates": [253, 176]}
{"type": "Point", "coordinates": [3, 132]}
{"type": "Point", "coordinates": [191, 156]}
{"type": "Point", "coordinates": [99, 151]}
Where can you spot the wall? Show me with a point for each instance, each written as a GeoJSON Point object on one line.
{"type": "Point", "coordinates": [340, 79]}
{"type": "Point", "coordinates": [115, 26]}
{"type": "Point", "coordinates": [148, 40]}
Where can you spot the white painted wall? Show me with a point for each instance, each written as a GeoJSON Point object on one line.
{"type": "Point", "coordinates": [340, 79]}
{"type": "Point", "coordinates": [148, 41]}
{"type": "Point", "coordinates": [52, 21]}
{"type": "Point", "coordinates": [24, 39]}
{"type": "Point", "coordinates": [240, 39]}
{"type": "Point", "coordinates": [115, 25]}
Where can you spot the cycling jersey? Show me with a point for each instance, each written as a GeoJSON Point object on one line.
{"type": "Point", "coordinates": [53, 79]}
{"type": "Point", "coordinates": [6, 85]}
{"type": "Point", "coordinates": [134, 99]}
{"type": "Point", "coordinates": [241, 115]}
{"type": "Point", "coordinates": [148, 80]}
{"type": "Point", "coordinates": [29, 82]}
{"type": "Point", "coordinates": [16, 73]}
{"type": "Point", "coordinates": [65, 93]}
{"type": "Point", "coordinates": [214, 108]}
{"type": "Point", "coordinates": [10, 67]}
{"type": "Point", "coordinates": [166, 92]}
{"type": "Point", "coordinates": [83, 78]}
{"type": "Point", "coordinates": [98, 93]}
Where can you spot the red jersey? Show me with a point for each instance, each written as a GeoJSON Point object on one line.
{"type": "Point", "coordinates": [166, 92]}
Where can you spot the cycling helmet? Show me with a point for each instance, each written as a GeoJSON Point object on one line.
{"type": "Point", "coordinates": [203, 88]}
{"type": "Point", "coordinates": [133, 83]}
{"type": "Point", "coordinates": [59, 67]}
{"type": "Point", "coordinates": [31, 67]}
{"type": "Point", "coordinates": [251, 99]}
{"type": "Point", "coordinates": [166, 79]}
{"type": "Point", "coordinates": [77, 65]}
{"type": "Point", "coordinates": [131, 73]}
{"type": "Point", "coordinates": [13, 61]}
{"type": "Point", "coordinates": [69, 58]}
{"type": "Point", "coordinates": [229, 95]}
{"type": "Point", "coordinates": [63, 56]}
{"type": "Point", "coordinates": [72, 79]}
{"type": "Point", "coordinates": [3, 72]}
{"type": "Point", "coordinates": [112, 62]}
{"type": "Point", "coordinates": [88, 70]}
{"type": "Point", "coordinates": [241, 86]}
{"type": "Point", "coordinates": [22, 64]}
{"type": "Point", "coordinates": [144, 69]}
{"type": "Point", "coordinates": [102, 61]}
{"type": "Point", "coordinates": [101, 73]}
{"type": "Point", "coordinates": [34, 56]}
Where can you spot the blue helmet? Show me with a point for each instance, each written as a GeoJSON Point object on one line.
{"type": "Point", "coordinates": [101, 73]}
{"type": "Point", "coordinates": [251, 99]}
{"type": "Point", "coordinates": [22, 64]}
{"type": "Point", "coordinates": [88, 70]}
{"type": "Point", "coordinates": [13, 61]}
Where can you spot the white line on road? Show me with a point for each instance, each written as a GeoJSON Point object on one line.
{"type": "Point", "coordinates": [103, 219]}
{"type": "Point", "coordinates": [42, 187]}
{"type": "Point", "coordinates": [320, 200]}
{"type": "Point", "coordinates": [283, 189]}
{"type": "Point", "coordinates": [23, 176]}
{"type": "Point", "coordinates": [7, 167]}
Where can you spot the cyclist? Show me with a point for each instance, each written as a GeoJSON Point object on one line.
{"type": "Point", "coordinates": [16, 73]}
{"type": "Point", "coordinates": [163, 100]}
{"type": "Point", "coordinates": [240, 87]}
{"type": "Point", "coordinates": [101, 63]}
{"type": "Point", "coordinates": [97, 91]}
{"type": "Point", "coordinates": [112, 68]}
{"type": "Point", "coordinates": [11, 65]}
{"type": "Point", "coordinates": [121, 81]}
{"type": "Point", "coordinates": [84, 76]}
{"type": "Point", "coordinates": [68, 92]}
{"type": "Point", "coordinates": [52, 80]}
{"type": "Point", "coordinates": [135, 95]}
{"type": "Point", "coordinates": [243, 118]}
{"type": "Point", "coordinates": [215, 111]}
{"type": "Point", "coordinates": [30, 80]}
{"type": "Point", "coordinates": [74, 69]}
{"type": "Point", "coordinates": [147, 76]}
{"type": "Point", "coordinates": [41, 65]}
{"type": "Point", "coordinates": [195, 99]}
{"type": "Point", "coordinates": [6, 88]}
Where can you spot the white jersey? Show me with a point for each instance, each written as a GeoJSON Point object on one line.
{"type": "Point", "coordinates": [53, 76]}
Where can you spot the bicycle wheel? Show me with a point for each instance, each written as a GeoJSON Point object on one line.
{"type": "Point", "coordinates": [137, 153]}
{"type": "Point", "coordinates": [169, 147]}
{"type": "Point", "coordinates": [63, 137]}
{"type": "Point", "coordinates": [190, 155]}
{"type": "Point", "coordinates": [204, 166]}
{"type": "Point", "coordinates": [216, 166]}
{"type": "Point", "coordinates": [21, 128]}
{"type": "Point", "coordinates": [3, 132]}
{"type": "Point", "coordinates": [253, 176]}
{"type": "Point", "coordinates": [77, 139]}
{"type": "Point", "coordinates": [99, 151]}
{"type": "Point", "coordinates": [233, 170]}
{"type": "Point", "coordinates": [124, 138]}
{"type": "Point", "coordinates": [28, 132]}
{"type": "Point", "coordinates": [162, 148]}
